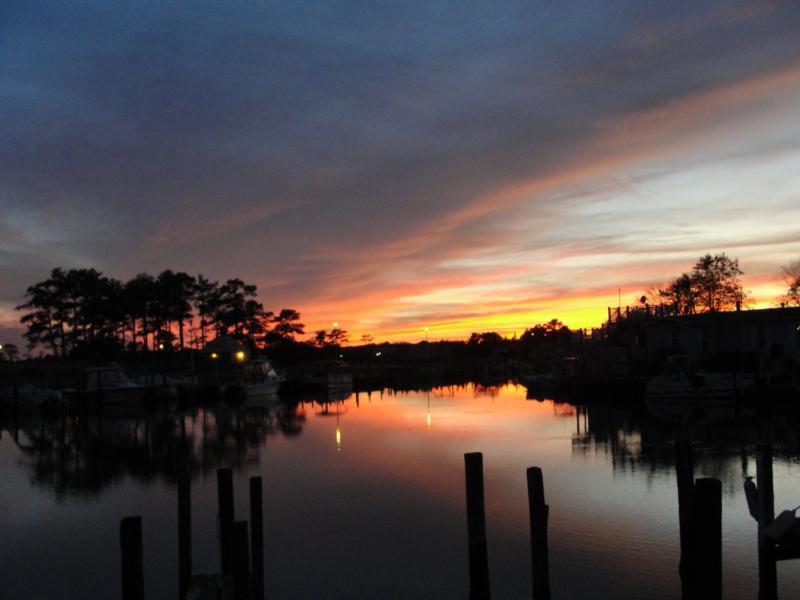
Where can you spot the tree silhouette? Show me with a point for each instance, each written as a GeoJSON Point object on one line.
{"type": "Point", "coordinates": [680, 294]}
{"type": "Point", "coordinates": [236, 312]}
{"type": "Point", "coordinates": [285, 325]}
{"type": "Point", "coordinates": [553, 331]}
{"type": "Point", "coordinates": [83, 310]}
{"type": "Point", "coordinates": [174, 292]}
{"type": "Point", "coordinates": [138, 302]}
{"type": "Point", "coordinates": [204, 298]}
{"type": "Point", "coordinates": [44, 319]}
{"type": "Point", "coordinates": [72, 309]}
{"type": "Point", "coordinates": [717, 283]}
{"type": "Point", "coordinates": [337, 337]}
{"type": "Point", "coordinates": [11, 351]}
{"type": "Point", "coordinates": [791, 277]}
{"type": "Point", "coordinates": [320, 339]}
{"type": "Point", "coordinates": [714, 285]}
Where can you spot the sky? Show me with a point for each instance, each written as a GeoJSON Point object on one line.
{"type": "Point", "coordinates": [393, 166]}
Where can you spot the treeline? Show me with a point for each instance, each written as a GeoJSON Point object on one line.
{"type": "Point", "coordinates": [83, 311]}
{"type": "Point", "coordinates": [713, 285]}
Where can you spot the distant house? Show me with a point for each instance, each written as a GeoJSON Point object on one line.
{"type": "Point", "coordinates": [773, 333]}
{"type": "Point", "coordinates": [226, 349]}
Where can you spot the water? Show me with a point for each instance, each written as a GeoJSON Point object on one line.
{"type": "Point", "coordinates": [377, 510]}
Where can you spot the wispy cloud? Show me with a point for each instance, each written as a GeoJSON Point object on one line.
{"type": "Point", "coordinates": [394, 165]}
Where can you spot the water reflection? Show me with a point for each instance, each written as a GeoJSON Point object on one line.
{"type": "Point", "coordinates": [353, 479]}
{"type": "Point", "coordinates": [643, 436]}
{"type": "Point", "coordinates": [84, 455]}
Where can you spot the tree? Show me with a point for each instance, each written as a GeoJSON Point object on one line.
{"type": "Point", "coordinates": [82, 309]}
{"type": "Point", "coordinates": [714, 285]}
{"type": "Point", "coordinates": [320, 339]}
{"type": "Point", "coordinates": [791, 277]}
{"type": "Point", "coordinates": [553, 331]}
{"type": "Point", "coordinates": [174, 292]}
{"type": "Point", "coordinates": [10, 350]}
{"type": "Point", "coordinates": [204, 297]}
{"type": "Point", "coordinates": [138, 298]}
{"type": "Point", "coordinates": [681, 294]}
{"type": "Point", "coordinates": [45, 316]}
{"type": "Point", "coordinates": [236, 312]}
{"type": "Point", "coordinates": [286, 324]}
{"type": "Point", "coordinates": [72, 308]}
{"type": "Point", "coordinates": [486, 339]}
{"type": "Point", "coordinates": [337, 337]}
{"type": "Point", "coordinates": [716, 282]}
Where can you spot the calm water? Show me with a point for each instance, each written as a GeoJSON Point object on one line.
{"type": "Point", "coordinates": [378, 511]}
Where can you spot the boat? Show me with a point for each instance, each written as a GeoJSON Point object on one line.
{"type": "Point", "coordinates": [700, 386]}
{"type": "Point", "coordinates": [331, 377]}
{"type": "Point", "coordinates": [259, 378]}
{"type": "Point", "coordinates": [110, 385]}
{"type": "Point", "coordinates": [166, 386]}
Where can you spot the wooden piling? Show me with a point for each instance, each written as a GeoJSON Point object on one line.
{"type": "Point", "coordinates": [226, 516]}
{"type": "Point", "coordinates": [684, 469]}
{"type": "Point", "coordinates": [130, 537]}
{"type": "Point", "coordinates": [184, 536]}
{"type": "Point", "coordinates": [539, 513]}
{"type": "Point", "coordinates": [15, 396]}
{"type": "Point", "coordinates": [257, 538]}
{"type": "Point", "coordinates": [476, 527]}
{"type": "Point", "coordinates": [767, 567]}
{"type": "Point", "coordinates": [707, 530]}
{"type": "Point", "coordinates": [99, 391]}
{"type": "Point", "coordinates": [241, 560]}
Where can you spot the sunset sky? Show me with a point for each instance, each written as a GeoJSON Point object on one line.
{"type": "Point", "coordinates": [396, 166]}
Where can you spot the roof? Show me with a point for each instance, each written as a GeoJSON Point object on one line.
{"type": "Point", "coordinates": [789, 315]}
{"type": "Point", "coordinates": [224, 344]}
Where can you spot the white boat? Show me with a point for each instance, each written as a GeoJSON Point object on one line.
{"type": "Point", "coordinates": [260, 378]}
{"type": "Point", "coordinates": [112, 386]}
{"type": "Point", "coordinates": [701, 386]}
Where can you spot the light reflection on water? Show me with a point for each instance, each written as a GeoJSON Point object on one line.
{"type": "Point", "coordinates": [364, 497]}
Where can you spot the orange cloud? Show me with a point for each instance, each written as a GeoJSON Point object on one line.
{"type": "Point", "coordinates": [414, 275]}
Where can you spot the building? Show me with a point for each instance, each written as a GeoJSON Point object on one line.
{"type": "Point", "coordinates": [764, 340]}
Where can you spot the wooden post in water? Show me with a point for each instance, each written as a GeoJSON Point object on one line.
{"type": "Point", "coordinates": [476, 528]}
{"type": "Point", "coordinates": [225, 499]}
{"type": "Point", "coordinates": [15, 396]}
{"type": "Point", "coordinates": [707, 530]}
{"type": "Point", "coordinates": [130, 538]}
{"type": "Point", "coordinates": [539, 512]}
{"type": "Point", "coordinates": [99, 391]}
{"type": "Point", "coordinates": [184, 536]}
{"type": "Point", "coordinates": [257, 538]}
{"type": "Point", "coordinates": [241, 560]}
{"type": "Point", "coordinates": [684, 469]}
{"type": "Point", "coordinates": [767, 567]}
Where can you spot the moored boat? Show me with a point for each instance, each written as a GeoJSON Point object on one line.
{"type": "Point", "coordinates": [110, 385]}
{"type": "Point", "coordinates": [260, 378]}
{"type": "Point", "coordinates": [699, 386]}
